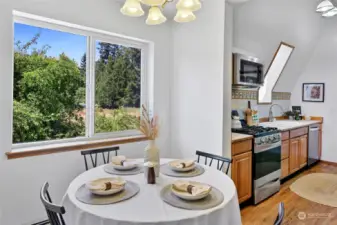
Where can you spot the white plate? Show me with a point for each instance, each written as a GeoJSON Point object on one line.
{"type": "Point", "coordinates": [129, 166]}
{"type": "Point", "coordinates": [187, 196]}
{"type": "Point", "coordinates": [108, 192]}
{"type": "Point", "coordinates": [186, 169]}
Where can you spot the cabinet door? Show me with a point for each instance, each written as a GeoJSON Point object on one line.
{"type": "Point", "coordinates": [294, 164]}
{"type": "Point", "coordinates": [285, 149]}
{"type": "Point", "coordinates": [284, 168]}
{"type": "Point", "coordinates": [242, 175]}
{"type": "Point", "coordinates": [303, 157]}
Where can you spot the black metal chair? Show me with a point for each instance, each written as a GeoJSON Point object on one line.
{"type": "Point", "coordinates": [54, 212]}
{"type": "Point", "coordinates": [94, 152]}
{"type": "Point", "coordinates": [280, 215]}
{"type": "Point", "coordinates": [220, 160]}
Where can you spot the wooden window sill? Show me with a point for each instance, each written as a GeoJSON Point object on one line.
{"type": "Point", "coordinates": [72, 147]}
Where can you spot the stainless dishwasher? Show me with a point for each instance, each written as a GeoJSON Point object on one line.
{"type": "Point", "coordinates": [313, 144]}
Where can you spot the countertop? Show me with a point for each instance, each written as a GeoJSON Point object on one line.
{"type": "Point", "coordinates": [236, 137]}
{"type": "Point", "coordinates": [285, 125]}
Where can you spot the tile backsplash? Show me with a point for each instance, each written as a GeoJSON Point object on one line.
{"type": "Point", "coordinates": [240, 100]}
{"type": "Point", "coordinates": [252, 95]}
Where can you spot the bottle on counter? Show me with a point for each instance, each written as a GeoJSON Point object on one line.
{"type": "Point", "coordinates": [249, 115]}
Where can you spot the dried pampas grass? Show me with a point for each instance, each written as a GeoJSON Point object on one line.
{"type": "Point", "coordinates": [149, 126]}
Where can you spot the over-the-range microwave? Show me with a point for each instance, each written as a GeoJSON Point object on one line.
{"type": "Point", "coordinates": [247, 71]}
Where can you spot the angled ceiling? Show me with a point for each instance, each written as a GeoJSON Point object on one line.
{"type": "Point", "coordinates": [260, 25]}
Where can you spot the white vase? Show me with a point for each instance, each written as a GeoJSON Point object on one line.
{"type": "Point", "coordinates": [151, 154]}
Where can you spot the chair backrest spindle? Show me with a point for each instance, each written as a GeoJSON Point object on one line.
{"type": "Point", "coordinates": [53, 211]}
{"type": "Point", "coordinates": [93, 153]}
{"type": "Point", "coordinates": [220, 160]}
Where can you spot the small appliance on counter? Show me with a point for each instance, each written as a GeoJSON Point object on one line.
{"type": "Point", "coordinates": [236, 123]}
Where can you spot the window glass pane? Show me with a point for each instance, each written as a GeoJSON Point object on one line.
{"type": "Point", "coordinates": [118, 87]}
{"type": "Point", "coordinates": [49, 84]}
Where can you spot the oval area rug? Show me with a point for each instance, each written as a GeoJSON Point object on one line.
{"type": "Point", "coordinates": [317, 187]}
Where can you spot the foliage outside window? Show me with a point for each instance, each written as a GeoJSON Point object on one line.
{"type": "Point", "coordinates": [51, 89]}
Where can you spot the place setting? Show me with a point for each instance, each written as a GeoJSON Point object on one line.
{"type": "Point", "coordinates": [120, 165]}
{"type": "Point", "coordinates": [182, 168]}
{"type": "Point", "coordinates": [104, 191]}
{"type": "Point", "coordinates": [191, 195]}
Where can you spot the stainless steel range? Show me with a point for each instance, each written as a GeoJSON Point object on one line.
{"type": "Point", "coordinates": [266, 161]}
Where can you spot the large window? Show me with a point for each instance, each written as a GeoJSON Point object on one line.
{"type": "Point", "coordinates": [72, 84]}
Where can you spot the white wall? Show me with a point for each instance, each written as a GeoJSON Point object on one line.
{"type": "Point", "coordinates": [197, 83]}
{"type": "Point", "coordinates": [21, 178]}
{"type": "Point", "coordinates": [260, 25]}
{"type": "Point", "coordinates": [322, 68]}
{"type": "Point", "coordinates": [227, 84]}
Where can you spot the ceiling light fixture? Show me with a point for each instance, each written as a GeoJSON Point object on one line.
{"type": "Point", "coordinates": [185, 9]}
{"type": "Point", "coordinates": [324, 6]}
{"type": "Point", "coordinates": [330, 13]}
{"type": "Point", "coordinates": [155, 16]}
{"type": "Point", "coordinates": [132, 8]}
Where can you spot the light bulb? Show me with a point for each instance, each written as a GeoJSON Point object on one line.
{"type": "Point", "coordinates": [192, 5]}
{"type": "Point", "coordinates": [153, 2]}
{"type": "Point", "coordinates": [132, 8]}
{"type": "Point", "coordinates": [184, 16]}
{"type": "Point", "coordinates": [330, 13]}
{"type": "Point", "coordinates": [155, 16]}
{"type": "Point", "coordinates": [324, 6]}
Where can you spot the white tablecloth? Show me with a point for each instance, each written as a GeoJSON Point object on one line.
{"type": "Point", "coordinates": [148, 208]}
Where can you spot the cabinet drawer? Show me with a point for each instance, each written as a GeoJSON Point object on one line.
{"type": "Point", "coordinates": [241, 147]}
{"type": "Point", "coordinates": [298, 132]}
{"type": "Point", "coordinates": [285, 149]}
{"type": "Point", "coordinates": [285, 135]}
{"type": "Point", "coordinates": [284, 168]}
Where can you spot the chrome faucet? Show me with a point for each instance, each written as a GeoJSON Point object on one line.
{"type": "Point", "coordinates": [271, 116]}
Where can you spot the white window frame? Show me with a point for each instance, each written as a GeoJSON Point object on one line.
{"type": "Point", "coordinates": [93, 35]}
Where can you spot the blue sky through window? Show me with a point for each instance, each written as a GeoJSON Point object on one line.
{"type": "Point", "coordinates": [73, 45]}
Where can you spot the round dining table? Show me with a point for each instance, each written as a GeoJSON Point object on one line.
{"type": "Point", "coordinates": [147, 207]}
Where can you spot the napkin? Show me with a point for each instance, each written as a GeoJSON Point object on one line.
{"type": "Point", "coordinates": [106, 184]}
{"type": "Point", "coordinates": [191, 187]}
{"type": "Point", "coordinates": [118, 160]}
{"type": "Point", "coordinates": [180, 164]}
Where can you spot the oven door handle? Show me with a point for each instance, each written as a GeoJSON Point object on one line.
{"type": "Point", "coordinates": [263, 148]}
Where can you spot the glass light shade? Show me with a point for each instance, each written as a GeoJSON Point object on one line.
{"type": "Point", "coordinates": [132, 8]}
{"type": "Point", "coordinates": [184, 16]}
{"type": "Point", "coordinates": [192, 5]}
{"type": "Point", "coordinates": [330, 13]}
{"type": "Point", "coordinates": [324, 6]}
{"type": "Point", "coordinates": [153, 2]}
{"type": "Point", "coordinates": [155, 16]}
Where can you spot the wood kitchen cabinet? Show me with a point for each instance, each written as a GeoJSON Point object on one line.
{"type": "Point", "coordinates": [285, 149]}
{"type": "Point", "coordinates": [298, 153]}
{"type": "Point", "coordinates": [303, 156]}
{"type": "Point", "coordinates": [242, 175]}
{"type": "Point", "coordinates": [294, 154]}
{"type": "Point", "coordinates": [284, 168]}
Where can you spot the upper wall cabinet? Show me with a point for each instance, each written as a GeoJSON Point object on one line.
{"type": "Point", "coordinates": [274, 72]}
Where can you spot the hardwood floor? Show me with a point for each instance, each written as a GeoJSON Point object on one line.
{"type": "Point", "coordinates": [316, 214]}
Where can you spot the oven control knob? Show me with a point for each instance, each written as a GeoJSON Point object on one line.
{"type": "Point", "coordinates": [263, 140]}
